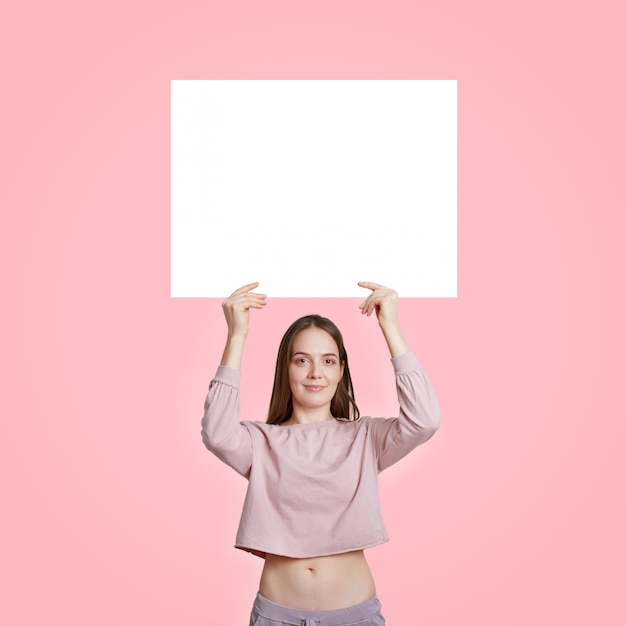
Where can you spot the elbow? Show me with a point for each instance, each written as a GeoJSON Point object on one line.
{"type": "Point", "coordinates": [429, 431]}
{"type": "Point", "coordinates": [209, 438]}
{"type": "Point", "coordinates": [432, 414]}
{"type": "Point", "coordinates": [431, 426]}
{"type": "Point", "coordinates": [206, 440]}
{"type": "Point", "coordinates": [435, 424]}
{"type": "Point", "coordinates": [213, 440]}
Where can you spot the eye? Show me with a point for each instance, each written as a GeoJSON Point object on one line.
{"type": "Point", "coordinates": [330, 361]}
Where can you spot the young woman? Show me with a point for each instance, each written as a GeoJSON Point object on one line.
{"type": "Point", "coordinates": [312, 508]}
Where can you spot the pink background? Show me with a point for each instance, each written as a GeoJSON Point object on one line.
{"type": "Point", "coordinates": [112, 511]}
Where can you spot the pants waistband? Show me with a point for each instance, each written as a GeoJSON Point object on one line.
{"type": "Point", "coordinates": [354, 614]}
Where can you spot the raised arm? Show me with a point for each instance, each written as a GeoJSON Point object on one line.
{"type": "Point", "coordinates": [222, 432]}
{"type": "Point", "coordinates": [419, 415]}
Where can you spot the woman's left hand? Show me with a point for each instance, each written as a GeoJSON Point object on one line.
{"type": "Point", "coordinates": [382, 300]}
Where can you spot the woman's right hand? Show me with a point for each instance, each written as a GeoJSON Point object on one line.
{"type": "Point", "coordinates": [237, 308]}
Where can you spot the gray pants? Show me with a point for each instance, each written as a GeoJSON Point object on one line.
{"type": "Point", "coordinates": [267, 613]}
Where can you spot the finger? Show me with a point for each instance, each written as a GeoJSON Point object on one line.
{"type": "Point", "coordinates": [245, 300]}
{"type": "Point", "coordinates": [367, 306]}
{"type": "Point", "coordinates": [242, 298]}
{"type": "Point", "coordinates": [244, 289]}
{"type": "Point", "coordinates": [245, 296]}
{"type": "Point", "coordinates": [368, 299]}
{"type": "Point", "coordinates": [372, 286]}
{"type": "Point", "coordinates": [257, 299]}
{"type": "Point", "coordinates": [363, 306]}
{"type": "Point", "coordinates": [237, 307]}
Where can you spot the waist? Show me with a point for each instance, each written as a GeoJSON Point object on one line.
{"type": "Point", "coordinates": [322, 583]}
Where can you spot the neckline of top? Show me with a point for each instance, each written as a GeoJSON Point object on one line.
{"type": "Point", "coordinates": [332, 421]}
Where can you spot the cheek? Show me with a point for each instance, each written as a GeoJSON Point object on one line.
{"type": "Point", "coordinates": [295, 376]}
{"type": "Point", "coordinates": [337, 378]}
{"type": "Point", "coordinates": [290, 378]}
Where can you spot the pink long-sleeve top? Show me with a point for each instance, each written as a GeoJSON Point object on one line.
{"type": "Point", "coordinates": [313, 488]}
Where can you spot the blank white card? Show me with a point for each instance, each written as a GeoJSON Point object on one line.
{"type": "Point", "coordinates": [309, 186]}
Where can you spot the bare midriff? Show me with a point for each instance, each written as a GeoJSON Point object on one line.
{"type": "Point", "coordinates": [317, 584]}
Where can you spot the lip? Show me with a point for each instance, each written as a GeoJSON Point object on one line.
{"type": "Point", "coordinates": [314, 388]}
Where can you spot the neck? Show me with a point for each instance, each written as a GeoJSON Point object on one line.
{"type": "Point", "coordinates": [302, 415]}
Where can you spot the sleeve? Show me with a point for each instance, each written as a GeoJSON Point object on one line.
{"type": "Point", "coordinates": [419, 416]}
{"type": "Point", "coordinates": [222, 432]}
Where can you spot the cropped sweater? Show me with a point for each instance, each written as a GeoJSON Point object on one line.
{"type": "Point", "coordinates": [313, 488]}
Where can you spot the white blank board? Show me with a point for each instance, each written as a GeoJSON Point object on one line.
{"type": "Point", "coordinates": [309, 186]}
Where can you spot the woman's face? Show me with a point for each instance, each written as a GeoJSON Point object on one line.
{"type": "Point", "coordinates": [314, 368]}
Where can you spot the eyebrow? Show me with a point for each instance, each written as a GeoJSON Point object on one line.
{"type": "Point", "coordinates": [307, 354]}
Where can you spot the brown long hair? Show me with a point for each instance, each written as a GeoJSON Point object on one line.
{"type": "Point", "coordinates": [343, 403]}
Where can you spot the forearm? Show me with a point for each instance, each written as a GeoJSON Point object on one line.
{"type": "Point", "coordinates": [396, 342]}
{"type": "Point", "coordinates": [233, 350]}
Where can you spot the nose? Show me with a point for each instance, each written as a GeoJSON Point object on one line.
{"type": "Point", "coordinates": [314, 370]}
